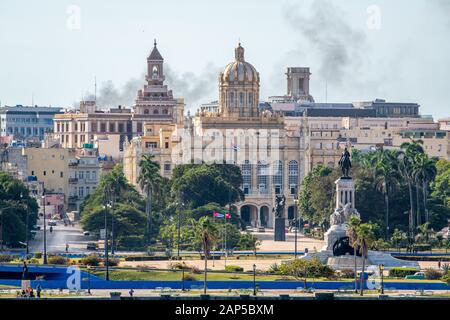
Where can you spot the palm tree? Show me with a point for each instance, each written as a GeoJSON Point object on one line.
{"type": "Point", "coordinates": [397, 238]}
{"type": "Point", "coordinates": [365, 237]}
{"type": "Point", "coordinates": [149, 181]}
{"type": "Point", "coordinates": [387, 176]}
{"type": "Point", "coordinates": [406, 157]}
{"type": "Point", "coordinates": [424, 171]}
{"type": "Point", "coordinates": [353, 225]}
{"type": "Point", "coordinates": [207, 234]}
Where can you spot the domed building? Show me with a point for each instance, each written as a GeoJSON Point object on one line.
{"type": "Point", "coordinates": [239, 88]}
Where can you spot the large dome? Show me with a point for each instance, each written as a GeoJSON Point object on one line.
{"type": "Point", "coordinates": [240, 71]}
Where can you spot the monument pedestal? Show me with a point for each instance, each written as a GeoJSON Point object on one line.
{"type": "Point", "coordinates": [280, 229]}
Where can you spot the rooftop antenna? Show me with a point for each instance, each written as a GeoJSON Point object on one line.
{"type": "Point", "coordinates": [95, 88]}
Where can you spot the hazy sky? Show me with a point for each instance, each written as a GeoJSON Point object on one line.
{"type": "Point", "coordinates": [397, 50]}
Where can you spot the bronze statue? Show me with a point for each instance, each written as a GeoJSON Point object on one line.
{"type": "Point", "coordinates": [279, 206]}
{"type": "Point", "coordinates": [345, 163]}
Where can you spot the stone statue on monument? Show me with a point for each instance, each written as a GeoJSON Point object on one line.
{"type": "Point", "coordinates": [279, 206]}
{"type": "Point", "coordinates": [345, 163]}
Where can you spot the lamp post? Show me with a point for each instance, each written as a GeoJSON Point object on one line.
{"type": "Point", "coordinates": [105, 207]}
{"type": "Point", "coordinates": [89, 279]}
{"type": "Point", "coordinates": [182, 279]}
{"type": "Point", "coordinates": [179, 231]}
{"type": "Point", "coordinates": [296, 224]}
{"type": "Point", "coordinates": [254, 279]}
{"type": "Point", "coordinates": [112, 227]}
{"type": "Point", "coordinates": [45, 226]}
{"type": "Point", "coordinates": [382, 277]}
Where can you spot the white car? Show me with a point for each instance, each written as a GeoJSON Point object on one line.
{"type": "Point", "coordinates": [86, 233]}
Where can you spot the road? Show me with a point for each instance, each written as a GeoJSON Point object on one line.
{"type": "Point", "coordinates": [57, 239]}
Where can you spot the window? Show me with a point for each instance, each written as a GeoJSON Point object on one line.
{"type": "Point", "coordinates": [139, 127]}
{"type": "Point", "coordinates": [32, 173]}
{"type": "Point", "coordinates": [231, 99]}
{"type": "Point", "coordinates": [246, 170]}
{"type": "Point", "coordinates": [151, 145]}
{"type": "Point", "coordinates": [241, 99]}
{"type": "Point", "coordinates": [278, 176]}
{"type": "Point", "coordinates": [81, 191]}
{"type": "Point", "coordinates": [94, 175]}
{"type": "Point", "coordinates": [166, 145]}
{"type": "Point", "coordinates": [145, 111]}
{"type": "Point", "coordinates": [165, 111]}
{"type": "Point", "coordinates": [88, 190]}
{"type": "Point", "coordinates": [112, 127]}
{"type": "Point", "coordinates": [293, 176]}
{"type": "Point", "coordinates": [44, 173]}
{"type": "Point", "coordinates": [156, 111]}
{"type": "Point", "coordinates": [167, 166]}
{"type": "Point", "coordinates": [61, 174]}
{"type": "Point", "coordinates": [250, 99]}
{"type": "Point", "coordinates": [262, 176]}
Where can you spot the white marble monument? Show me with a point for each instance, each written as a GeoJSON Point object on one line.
{"type": "Point", "coordinates": [345, 208]}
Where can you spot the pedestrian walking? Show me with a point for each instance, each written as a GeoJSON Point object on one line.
{"type": "Point", "coordinates": [131, 292]}
{"type": "Point", "coordinates": [38, 290]}
{"type": "Point", "coordinates": [67, 247]}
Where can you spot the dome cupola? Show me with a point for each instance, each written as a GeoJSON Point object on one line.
{"type": "Point", "coordinates": [239, 87]}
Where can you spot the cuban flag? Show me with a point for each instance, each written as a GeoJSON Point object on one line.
{"type": "Point", "coordinates": [235, 147]}
{"type": "Point", "coordinates": [217, 215]}
{"type": "Point", "coordinates": [228, 216]}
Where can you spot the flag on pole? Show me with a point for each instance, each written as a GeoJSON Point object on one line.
{"type": "Point", "coordinates": [217, 215]}
{"type": "Point", "coordinates": [228, 216]}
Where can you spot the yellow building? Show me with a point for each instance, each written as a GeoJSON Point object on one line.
{"type": "Point", "coordinates": [50, 166]}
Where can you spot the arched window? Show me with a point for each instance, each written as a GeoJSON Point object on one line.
{"type": "Point", "coordinates": [262, 176]}
{"type": "Point", "coordinates": [165, 111]}
{"type": "Point", "coordinates": [155, 72]}
{"type": "Point", "coordinates": [246, 170]}
{"type": "Point", "coordinates": [155, 111]}
{"type": "Point", "coordinates": [293, 176]}
{"type": "Point", "coordinates": [277, 177]}
{"type": "Point", "coordinates": [146, 111]}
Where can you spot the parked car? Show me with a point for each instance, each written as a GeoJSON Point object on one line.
{"type": "Point", "coordinates": [418, 275]}
{"type": "Point", "coordinates": [52, 223]}
{"type": "Point", "coordinates": [86, 233]}
{"type": "Point", "coordinates": [261, 229]}
{"type": "Point", "coordinates": [91, 246]}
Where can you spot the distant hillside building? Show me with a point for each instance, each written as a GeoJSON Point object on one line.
{"type": "Point", "coordinates": [24, 122]}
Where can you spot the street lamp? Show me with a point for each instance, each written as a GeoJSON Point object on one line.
{"type": "Point", "coordinates": [179, 231]}
{"type": "Point", "coordinates": [45, 226]}
{"type": "Point", "coordinates": [254, 279]}
{"type": "Point", "coordinates": [89, 279]}
{"type": "Point", "coordinates": [381, 266]}
{"type": "Point", "coordinates": [105, 208]}
{"type": "Point", "coordinates": [296, 223]}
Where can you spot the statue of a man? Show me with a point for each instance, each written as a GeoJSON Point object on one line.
{"type": "Point", "coordinates": [345, 163]}
{"type": "Point", "coordinates": [279, 205]}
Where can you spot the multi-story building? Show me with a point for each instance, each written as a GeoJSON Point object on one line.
{"type": "Point", "coordinates": [83, 175]}
{"type": "Point", "coordinates": [26, 122]}
{"type": "Point", "coordinates": [154, 103]}
{"type": "Point", "coordinates": [275, 144]}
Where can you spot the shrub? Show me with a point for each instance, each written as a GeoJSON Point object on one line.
{"type": "Point", "coordinates": [347, 273]}
{"type": "Point", "coordinates": [34, 261]}
{"type": "Point", "coordinates": [274, 268]}
{"type": "Point", "coordinates": [178, 266]}
{"type": "Point", "coordinates": [446, 278]}
{"type": "Point", "coordinates": [314, 269]}
{"type": "Point", "coordinates": [38, 255]}
{"type": "Point", "coordinates": [112, 262]}
{"type": "Point", "coordinates": [445, 268]}
{"type": "Point", "coordinates": [401, 272]}
{"type": "Point", "coordinates": [234, 269]}
{"type": "Point", "coordinates": [91, 260]}
{"type": "Point", "coordinates": [57, 260]}
{"type": "Point", "coordinates": [189, 277]}
{"type": "Point", "coordinates": [433, 274]}
{"type": "Point", "coordinates": [6, 258]}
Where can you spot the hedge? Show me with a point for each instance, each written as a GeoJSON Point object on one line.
{"type": "Point", "coordinates": [234, 269]}
{"type": "Point", "coordinates": [401, 272]}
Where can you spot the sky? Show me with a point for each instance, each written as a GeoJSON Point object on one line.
{"type": "Point", "coordinates": [358, 50]}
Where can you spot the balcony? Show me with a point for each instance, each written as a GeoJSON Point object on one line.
{"type": "Point", "coordinates": [73, 180]}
